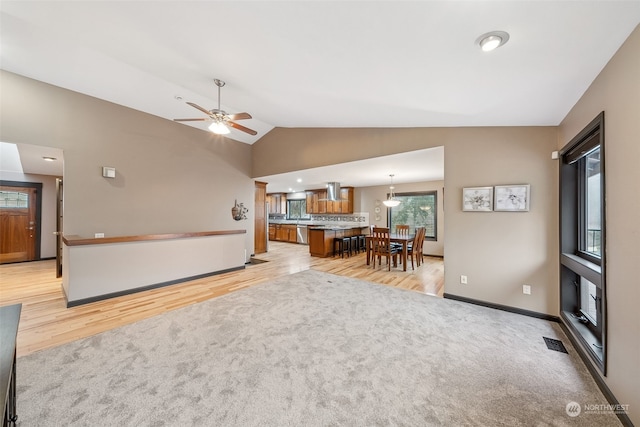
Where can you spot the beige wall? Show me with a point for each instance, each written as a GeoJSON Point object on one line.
{"type": "Point", "coordinates": [170, 177]}
{"type": "Point", "coordinates": [287, 150]}
{"type": "Point", "coordinates": [48, 218]}
{"type": "Point", "coordinates": [365, 201]}
{"type": "Point", "coordinates": [616, 91]}
{"type": "Point", "coordinates": [499, 251]}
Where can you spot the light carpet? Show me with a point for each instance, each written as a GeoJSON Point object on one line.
{"type": "Point", "coordinates": [313, 349]}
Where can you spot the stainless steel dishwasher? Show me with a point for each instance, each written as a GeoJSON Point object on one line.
{"type": "Point", "coordinates": [303, 234]}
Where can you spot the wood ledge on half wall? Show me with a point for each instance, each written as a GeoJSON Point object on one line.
{"type": "Point", "coordinates": [73, 240]}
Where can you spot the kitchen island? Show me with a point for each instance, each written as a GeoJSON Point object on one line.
{"type": "Point", "coordinates": [321, 238]}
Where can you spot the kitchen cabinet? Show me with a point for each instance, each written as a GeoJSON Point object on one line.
{"type": "Point", "coordinates": [260, 218]}
{"type": "Point", "coordinates": [277, 203]}
{"type": "Point", "coordinates": [283, 232]}
{"type": "Point", "coordinates": [317, 202]}
{"type": "Point", "coordinates": [321, 239]}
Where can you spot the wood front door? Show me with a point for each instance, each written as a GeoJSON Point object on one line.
{"type": "Point", "coordinates": [18, 226]}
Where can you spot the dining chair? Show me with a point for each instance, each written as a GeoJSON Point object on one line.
{"type": "Point", "coordinates": [382, 247]}
{"type": "Point", "coordinates": [415, 247]}
{"type": "Point", "coordinates": [402, 229]}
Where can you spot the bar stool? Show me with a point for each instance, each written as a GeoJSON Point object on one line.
{"type": "Point", "coordinates": [353, 245]}
{"type": "Point", "coordinates": [362, 243]}
{"type": "Point", "coordinates": [344, 245]}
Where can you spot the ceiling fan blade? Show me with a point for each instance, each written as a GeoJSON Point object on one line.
{"type": "Point", "coordinates": [239, 116]}
{"type": "Point", "coordinates": [242, 128]}
{"type": "Point", "coordinates": [191, 120]}
{"type": "Point", "coordinates": [199, 108]}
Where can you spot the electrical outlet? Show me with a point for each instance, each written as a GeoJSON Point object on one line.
{"type": "Point", "coordinates": [98, 235]}
{"type": "Point", "coordinates": [463, 279]}
{"type": "Point", "coordinates": [526, 289]}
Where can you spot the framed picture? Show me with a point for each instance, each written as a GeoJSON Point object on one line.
{"type": "Point", "coordinates": [512, 198]}
{"type": "Point", "coordinates": [477, 199]}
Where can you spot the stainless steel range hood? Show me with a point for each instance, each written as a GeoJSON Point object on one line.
{"type": "Point", "coordinates": [333, 191]}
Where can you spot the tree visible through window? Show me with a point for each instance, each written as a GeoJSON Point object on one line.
{"type": "Point", "coordinates": [297, 209]}
{"type": "Point", "coordinates": [416, 210]}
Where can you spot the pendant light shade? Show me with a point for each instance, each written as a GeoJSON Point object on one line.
{"type": "Point", "coordinates": [391, 201]}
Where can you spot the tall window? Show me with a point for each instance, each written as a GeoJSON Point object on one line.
{"type": "Point", "coordinates": [591, 204]}
{"type": "Point", "coordinates": [297, 209]}
{"type": "Point", "coordinates": [416, 210]}
{"type": "Point", "coordinates": [582, 239]}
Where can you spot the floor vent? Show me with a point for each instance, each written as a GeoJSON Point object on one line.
{"type": "Point", "coordinates": [555, 345]}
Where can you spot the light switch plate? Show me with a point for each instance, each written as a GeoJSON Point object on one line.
{"type": "Point", "coordinates": [108, 172]}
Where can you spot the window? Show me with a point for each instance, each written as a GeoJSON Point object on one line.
{"type": "Point", "coordinates": [416, 210]}
{"type": "Point", "coordinates": [582, 239]}
{"type": "Point", "coordinates": [14, 199]}
{"type": "Point", "coordinates": [297, 209]}
{"type": "Point", "coordinates": [591, 205]}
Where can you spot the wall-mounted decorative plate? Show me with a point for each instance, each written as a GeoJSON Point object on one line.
{"type": "Point", "coordinates": [377, 209]}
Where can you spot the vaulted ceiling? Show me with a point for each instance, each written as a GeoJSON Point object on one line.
{"type": "Point", "coordinates": [322, 63]}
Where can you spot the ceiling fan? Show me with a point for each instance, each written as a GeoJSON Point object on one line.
{"type": "Point", "coordinates": [219, 117]}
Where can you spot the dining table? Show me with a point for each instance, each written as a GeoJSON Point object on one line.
{"type": "Point", "coordinates": [403, 239]}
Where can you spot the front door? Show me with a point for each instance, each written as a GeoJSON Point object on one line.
{"type": "Point", "coordinates": [18, 224]}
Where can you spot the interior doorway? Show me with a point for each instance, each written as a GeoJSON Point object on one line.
{"type": "Point", "coordinates": [20, 214]}
{"type": "Point", "coordinates": [59, 205]}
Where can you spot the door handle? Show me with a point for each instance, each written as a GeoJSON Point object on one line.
{"type": "Point", "coordinates": [56, 233]}
{"type": "Point", "coordinates": [29, 228]}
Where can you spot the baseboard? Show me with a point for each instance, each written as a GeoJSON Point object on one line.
{"type": "Point", "coordinates": [504, 307]}
{"type": "Point", "coordinates": [434, 256]}
{"type": "Point", "coordinates": [623, 417]}
{"type": "Point", "coordinates": [83, 301]}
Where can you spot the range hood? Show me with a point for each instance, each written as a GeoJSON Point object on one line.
{"type": "Point", "coordinates": [333, 191]}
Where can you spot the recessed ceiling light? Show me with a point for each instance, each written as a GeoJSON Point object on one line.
{"type": "Point", "coordinates": [49, 159]}
{"type": "Point", "coordinates": [299, 180]}
{"type": "Point", "coordinates": [492, 40]}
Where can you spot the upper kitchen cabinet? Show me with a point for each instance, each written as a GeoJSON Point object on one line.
{"type": "Point", "coordinates": [317, 202]}
{"type": "Point", "coordinates": [277, 203]}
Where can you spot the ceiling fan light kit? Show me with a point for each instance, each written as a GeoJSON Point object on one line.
{"type": "Point", "coordinates": [219, 128]}
{"type": "Point", "coordinates": [221, 120]}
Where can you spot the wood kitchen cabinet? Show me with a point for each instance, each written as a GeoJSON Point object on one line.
{"type": "Point", "coordinates": [321, 239]}
{"type": "Point", "coordinates": [317, 202]}
{"type": "Point", "coordinates": [277, 203]}
{"type": "Point", "coordinates": [283, 232]}
{"type": "Point", "coordinates": [260, 218]}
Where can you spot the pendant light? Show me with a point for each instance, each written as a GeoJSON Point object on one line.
{"type": "Point", "coordinates": [391, 201]}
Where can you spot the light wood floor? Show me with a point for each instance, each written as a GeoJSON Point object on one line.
{"type": "Point", "coordinates": [46, 322]}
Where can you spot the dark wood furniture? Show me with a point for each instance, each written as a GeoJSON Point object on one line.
{"type": "Point", "coordinates": [381, 247]}
{"type": "Point", "coordinates": [394, 238]}
{"type": "Point", "coordinates": [9, 319]}
{"type": "Point", "coordinates": [415, 249]}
